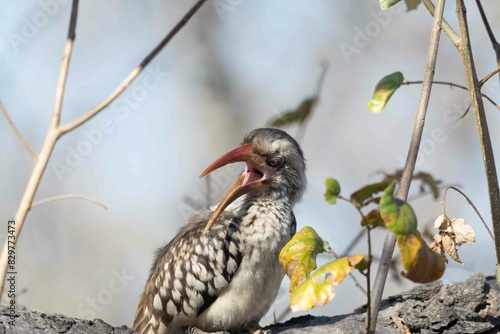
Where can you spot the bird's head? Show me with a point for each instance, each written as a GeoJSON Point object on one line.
{"type": "Point", "coordinates": [275, 167]}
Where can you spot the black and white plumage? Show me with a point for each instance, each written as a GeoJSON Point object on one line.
{"type": "Point", "coordinates": [221, 271]}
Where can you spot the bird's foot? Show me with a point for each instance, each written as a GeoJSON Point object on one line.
{"type": "Point", "coordinates": [190, 329]}
{"type": "Point", "coordinates": [254, 328]}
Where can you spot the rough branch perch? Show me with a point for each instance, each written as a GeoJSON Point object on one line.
{"type": "Point", "coordinates": [472, 307]}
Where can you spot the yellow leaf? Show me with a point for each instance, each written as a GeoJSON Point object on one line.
{"type": "Point", "coordinates": [319, 289]}
{"type": "Point", "coordinates": [298, 257]}
{"type": "Point", "coordinates": [422, 265]}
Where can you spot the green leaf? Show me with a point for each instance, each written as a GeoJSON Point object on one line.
{"type": "Point", "coordinates": [398, 216]}
{"type": "Point", "coordinates": [319, 289]}
{"type": "Point", "coordinates": [364, 195]}
{"type": "Point", "coordinates": [298, 256]}
{"type": "Point", "coordinates": [412, 4]}
{"type": "Point", "coordinates": [384, 90]}
{"type": "Point", "coordinates": [422, 265]}
{"type": "Point", "coordinates": [332, 190]}
{"type": "Point", "coordinates": [298, 115]}
{"type": "Point", "coordinates": [386, 4]}
{"type": "Point", "coordinates": [372, 219]}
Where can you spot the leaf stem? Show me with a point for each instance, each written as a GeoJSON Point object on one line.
{"type": "Point", "coordinates": [443, 203]}
{"type": "Point", "coordinates": [356, 282]}
{"type": "Point", "coordinates": [451, 84]}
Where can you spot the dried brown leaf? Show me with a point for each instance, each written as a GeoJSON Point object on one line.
{"type": "Point", "coordinates": [437, 247]}
{"type": "Point", "coordinates": [463, 233]}
{"type": "Point", "coordinates": [450, 247]}
{"type": "Point", "coordinates": [452, 233]}
{"type": "Point", "coordinates": [441, 222]}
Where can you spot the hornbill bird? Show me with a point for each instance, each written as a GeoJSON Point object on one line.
{"type": "Point", "coordinates": [221, 271]}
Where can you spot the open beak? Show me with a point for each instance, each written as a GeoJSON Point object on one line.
{"type": "Point", "coordinates": [251, 179]}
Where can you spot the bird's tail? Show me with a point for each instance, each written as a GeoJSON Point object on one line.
{"type": "Point", "coordinates": [144, 321]}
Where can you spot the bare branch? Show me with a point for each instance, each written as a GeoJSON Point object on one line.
{"type": "Point", "coordinates": [51, 138]}
{"type": "Point", "coordinates": [481, 123]}
{"type": "Point", "coordinates": [133, 75]}
{"type": "Point", "coordinates": [55, 131]}
{"type": "Point", "coordinates": [496, 45]}
{"type": "Point", "coordinates": [406, 177]}
{"type": "Point", "coordinates": [496, 105]}
{"type": "Point", "coordinates": [443, 203]}
{"type": "Point", "coordinates": [447, 29]}
{"type": "Point", "coordinates": [488, 77]}
{"type": "Point", "coordinates": [18, 133]}
{"type": "Point", "coordinates": [369, 319]}
{"type": "Point", "coordinates": [69, 196]}
{"type": "Point", "coordinates": [486, 23]}
{"type": "Point", "coordinates": [63, 73]}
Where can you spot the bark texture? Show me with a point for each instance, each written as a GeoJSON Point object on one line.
{"type": "Point", "coordinates": [472, 306]}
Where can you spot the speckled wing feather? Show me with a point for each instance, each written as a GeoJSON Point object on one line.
{"type": "Point", "coordinates": [189, 273]}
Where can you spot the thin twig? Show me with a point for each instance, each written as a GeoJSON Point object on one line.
{"type": "Point", "coordinates": [356, 282]}
{"type": "Point", "coordinates": [302, 127]}
{"type": "Point", "coordinates": [63, 72]}
{"type": "Point", "coordinates": [406, 177]}
{"type": "Point", "coordinates": [69, 196]}
{"type": "Point", "coordinates": [43, 159]}
{"type": "Point", "coordinates": [481, 124]}
{"type": "Point", "coordinates": [133, 75]}
{"type": "Point", "coordinates": [368, 283]}
{"type": "Point", "coordinates": [488, 77]}
{"type": "Point", "coordinates": [495, 44]}
{"type": "Point", "coordinates": [55, 132]}
{"type": "Point", "coordinates": [457, 86]}
{"type": "Point", "coordinates": [486, 23]}
{"type": "Point", "coordinates": [443, 203]}
{"type": "Point", "coordinates": [447, 29]}
{"type": "Point", "coordinates": [18, 133]}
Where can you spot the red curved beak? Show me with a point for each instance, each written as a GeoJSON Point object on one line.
{"type": "Point", "coordinates": [251, 178]}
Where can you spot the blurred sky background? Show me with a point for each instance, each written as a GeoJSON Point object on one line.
{"type": "Point", "coordinates": [236, 65]}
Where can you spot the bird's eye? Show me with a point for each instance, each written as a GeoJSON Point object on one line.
{"type": "Point", "coordinates": [274, 162]}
